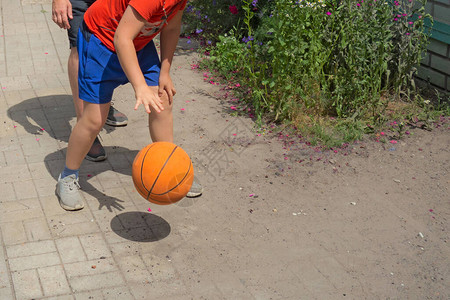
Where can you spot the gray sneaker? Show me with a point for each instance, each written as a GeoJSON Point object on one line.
{"type": "Point", "coordinates": [68, 192]}
{"type": "Point", "coordinates": [116, 118]}
{"type": "Point", "coordinates": [196, 189]}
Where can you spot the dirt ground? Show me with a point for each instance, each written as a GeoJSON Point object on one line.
{"type": "Point", "coordinates": [367, 222]}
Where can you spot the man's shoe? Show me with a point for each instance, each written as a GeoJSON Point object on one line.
{"type": "Point", "coordinates": [116, 118]}
{"type": "Point", "coordinates": [68, 192]}
{"type": "Point", "coordinates": [196, 190]}
{"type": "Point", "coordinates": [97, 152]}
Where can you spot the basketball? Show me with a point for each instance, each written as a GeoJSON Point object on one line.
{"type": "Point", "coordinates": [162, 173]}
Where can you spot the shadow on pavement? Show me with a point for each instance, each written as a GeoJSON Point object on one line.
{"type": "Point", "coordinates": [50, 113]}
{"type": "Point", "coordinates": [140, 227]}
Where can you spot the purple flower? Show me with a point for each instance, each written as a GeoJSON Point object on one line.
{"type": "Point", "coordinates": [198, 31]}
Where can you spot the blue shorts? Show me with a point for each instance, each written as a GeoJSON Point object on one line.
{"type": "Point", "coordinates": [100, 72]}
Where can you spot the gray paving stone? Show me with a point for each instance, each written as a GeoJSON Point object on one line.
{"type": "Point", "coordinates": [46, 188]}
{"type": "Point", "coordinates": [73, 224]}
{"type": "Point", "coordinates": [26, 284]}
{"type": "Point", "coordinates": [20, 210]}
{"type": "Point", "coordinates": [14, 157]}
{"type": "Point", "coordinates": [60, 297]}
{"type": "Point", "coordinates": [15, 82]}
{"type": "Point", "coordinates": [34, 261]}
{"type": "Point", "coordinates": [70, 250]}
{"type": "Point", "coordinates": [4, 272]}
{"type": "Point", "coordinates": [38, 170]}
{"type": "Point", "coordinates": [53, 281]}
{"type": "Point", "coordinates": [6, 293]}
{"type": "Point", "coordinates": [14, 173]}
{"type": "Point", "coordinates": [31, 248]}
{"type": "Point", "coordinates": [25, 189]}
{"type": "Point", "coordinates": [8, 193]}
{"type": "Point", "coordinates": [51, 205]}
{"type": "Point", "coordinates": [94, 246]}
{"type": "Point", "coordinates": [13, 233]}
{"type": "Point", "coordinates": [37, 229]}
{"type": "Point", "coordinates": [85, 268]}
{"type": "Point", "coordinates": [97, 281]}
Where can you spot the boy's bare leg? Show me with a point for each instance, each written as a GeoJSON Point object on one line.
{"type": "Point", "coordinates": [84, 133]}
{"type": "Point", "coordinates": [72, 67]}
{"type": "Point", "coordinates": [161, 124]}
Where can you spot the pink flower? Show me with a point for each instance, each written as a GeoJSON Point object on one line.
{"type": "Point", "coordinates": [328, 13]}
{"type": "Point", "coordinates": [382, 133]}
{"type": "Point", "coordinates": [233, 9]}
{"type": "Point", "coordinates": [393, 142]}
{"type": "Point", "coordinates": [357, 4]}
{"type": "Point", "coordinates": [408, 33]}
{"type": "Point", "coordinates": [238, 85]}
{"type": "Point", "coordinates": [395, 19]}
{"type": "Point", "coordinates": [410, 23]}
{"type": "Point", "coordinates": [233, 107]}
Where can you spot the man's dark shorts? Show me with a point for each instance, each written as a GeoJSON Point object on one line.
{"type": "Point", "coordinates": [79, 7]}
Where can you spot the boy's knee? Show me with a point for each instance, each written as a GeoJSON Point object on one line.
{"type": "Point", "coordinates": [166, 103]}
{"type": "Point", "coordinates": [94, 125]}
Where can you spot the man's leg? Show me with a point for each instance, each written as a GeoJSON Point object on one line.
{"type": "Point", "coordinates": [97, 152]}
{"type": "Point", "coordinates": [72, 68]}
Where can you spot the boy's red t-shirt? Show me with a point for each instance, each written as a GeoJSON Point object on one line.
{"type": "Point", "coordinates": [103, 17]}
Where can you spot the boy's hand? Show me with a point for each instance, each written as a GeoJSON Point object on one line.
{"type": "Point", "coordinates": [148, 97]}
{"type": "Point", "coordinates": [166, 84]}
{"type": "Point", "coordinates": [61, 13]}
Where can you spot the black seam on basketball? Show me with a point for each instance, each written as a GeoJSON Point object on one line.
{"type": "Point", "coordinates": [160, 171]}
{"type": "Point", "coordinates": [185, 175]}
{"type": "Point", "coordinates": [142, 167]}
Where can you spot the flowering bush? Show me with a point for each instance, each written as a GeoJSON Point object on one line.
{"type": "Point", "coordinates": [316, 57]}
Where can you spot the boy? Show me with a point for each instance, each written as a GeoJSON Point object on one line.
{"type": "Point", "coordinates": [69, 15]}
{"type": "Point", "coordinates": [115, 47]}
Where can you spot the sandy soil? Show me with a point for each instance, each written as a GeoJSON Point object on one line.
{"type": "Point", "coordinates": [367, 222]}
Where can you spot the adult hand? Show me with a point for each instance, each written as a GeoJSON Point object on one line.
{"type": "Point", "coordinates": [166, 85]}
{"type": "Point", "coordinates": [148, 96]}
{"type": "Point", "coordinates": [61, 13]}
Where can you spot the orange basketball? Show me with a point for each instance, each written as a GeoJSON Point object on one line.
{"type": "Point", "coordinates": [162, 173]}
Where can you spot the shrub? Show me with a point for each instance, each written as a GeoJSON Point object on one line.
{"type": "Point", "coordinates": [314, 57]}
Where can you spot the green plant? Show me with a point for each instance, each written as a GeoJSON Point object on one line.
{"type": "Point", "coordinates": [320, 59]}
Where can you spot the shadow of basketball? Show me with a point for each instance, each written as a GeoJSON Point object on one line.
{"type": "Point", "coordinates": [140, 227]}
